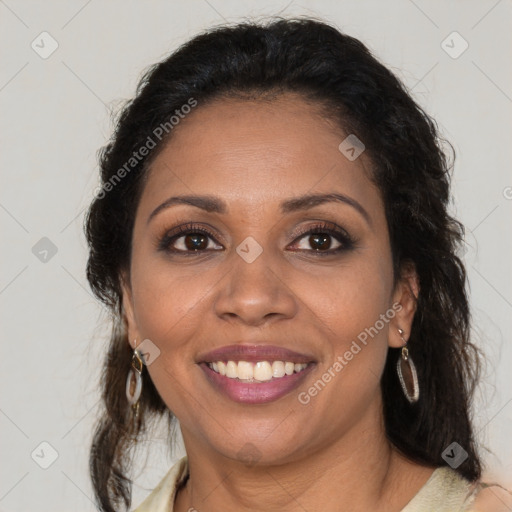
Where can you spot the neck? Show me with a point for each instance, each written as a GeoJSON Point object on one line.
{"type": "Point", "coordinates": [360, 471]}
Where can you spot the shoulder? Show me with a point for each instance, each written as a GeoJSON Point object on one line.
{"type": "Point", "coordinates": [162, 497]}
{"type": "Point", "coordinates": [492, 497]}
{"type": "Point", "coordinates": [447, 491]}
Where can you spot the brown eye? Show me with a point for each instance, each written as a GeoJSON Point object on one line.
{"type": "Point", "coordinates": [191, 242]}
{"type": "Point", "coordinates": [320, 241]}
{"type": "Point", "coordinates": [188, 240]}
{"type": "Point", "coordinates": [195, 241]}
{"type": "Point", "coordinates": [324, 240]}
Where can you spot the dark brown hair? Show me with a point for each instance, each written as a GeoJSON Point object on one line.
{"type": "Point", "coordinates": [338, 73]}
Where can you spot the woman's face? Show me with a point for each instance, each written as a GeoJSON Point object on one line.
{"type": "Point", "coordinates": [246, 276]}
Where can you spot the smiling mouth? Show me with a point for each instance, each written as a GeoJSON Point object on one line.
{"type": "Point", "coordinates": [255, 373]}
{"type": "Point", "coordinates": [259, 371]}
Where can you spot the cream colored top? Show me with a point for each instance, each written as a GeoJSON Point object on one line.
{"type": "Point", "coordinates": [444, 491]}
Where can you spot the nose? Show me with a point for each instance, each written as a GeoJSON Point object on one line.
{"type": "Point", "coordinates": [254, 293]}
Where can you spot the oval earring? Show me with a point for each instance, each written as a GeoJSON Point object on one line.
{"type": "Point", "coordinates": [407, 373]}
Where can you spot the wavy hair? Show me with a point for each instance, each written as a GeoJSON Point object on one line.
{"type": "Point", "coordinates": [340, 75]}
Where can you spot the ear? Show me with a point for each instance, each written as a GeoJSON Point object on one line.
{"type": "Point", "coordinates": [128, 311]}
{"type": "Point", "coordinates": [405, 298]}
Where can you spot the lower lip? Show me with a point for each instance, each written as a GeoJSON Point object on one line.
{"type": "Point", "coordinates": [255, 392]}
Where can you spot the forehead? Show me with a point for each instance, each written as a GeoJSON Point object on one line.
{"type": "Point", "coordinates": [256, 152]}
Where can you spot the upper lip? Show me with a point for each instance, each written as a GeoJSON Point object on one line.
{"type": "Point", "coordinates": [253, 353]}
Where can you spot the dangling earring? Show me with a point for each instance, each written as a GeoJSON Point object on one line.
{"type": "Point", "coordinates": [134, 383]}
{"type": "Point", "coordinates": [407, 373]}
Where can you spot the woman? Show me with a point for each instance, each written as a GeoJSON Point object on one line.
{"type": "Point", "coordinates": [273, 239]}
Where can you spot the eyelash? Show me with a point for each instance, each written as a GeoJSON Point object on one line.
{"type": "Point", "coordinates": [324, 228]}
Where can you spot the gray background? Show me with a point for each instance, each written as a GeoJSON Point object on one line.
{"type": "Point", "coordinates": [56, 115]}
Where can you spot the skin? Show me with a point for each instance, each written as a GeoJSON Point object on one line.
{"type": "Point", "coordinates": [332, 452]}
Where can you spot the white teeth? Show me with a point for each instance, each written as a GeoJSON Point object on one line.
{"type": "Point", "coordinates": [231, 370]}
{"type": "Point", "coordinates": [245, 370]}
{"type": "Point", "coordinates": [261, 371]}
{"type": "Point", "coordinates": [278, 369]}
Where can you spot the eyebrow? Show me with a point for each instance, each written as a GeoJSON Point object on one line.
{"type": "Point", "coordinates": [213, 204]}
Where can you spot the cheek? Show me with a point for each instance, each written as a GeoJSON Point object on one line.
{"type": "Point", "coordinates": [353, 296]}
{"type": "Point", "coordinates": [168, 300]}
{"type": "Point", "coordinates": [169, 310]}
{"type": "Point", "coordinates": [353, 309]}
